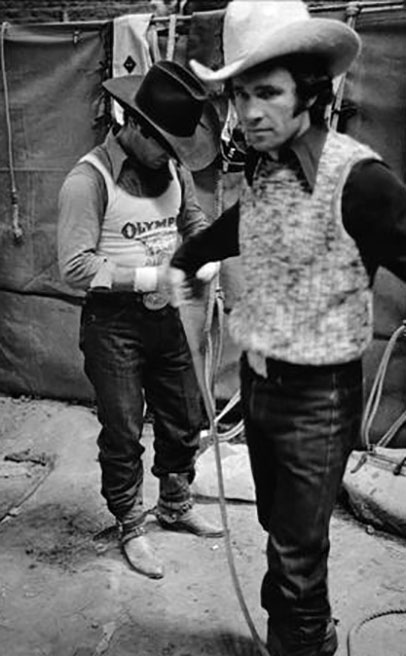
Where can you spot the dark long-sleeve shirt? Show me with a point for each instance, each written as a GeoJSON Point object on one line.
{"type": "Point", "coordinates": [373, 211]}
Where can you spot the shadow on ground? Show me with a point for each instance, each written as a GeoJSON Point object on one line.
{"type": "Point", "coordinates": [65, 589]}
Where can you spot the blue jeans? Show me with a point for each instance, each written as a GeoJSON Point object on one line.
{"type": "Point", "coordinates": [301, 424]}
{"type": "Point", "coordinates": [134, 354]}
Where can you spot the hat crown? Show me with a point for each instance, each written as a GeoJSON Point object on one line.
{"type": "Point", "coordinates": [171, 102]}
{"type": "Point", "coordinates": [249, 23]}
{"type": "Point", "coordinates": [171, 97]}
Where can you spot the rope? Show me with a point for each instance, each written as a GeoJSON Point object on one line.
{"type": "Point", "coordinates": [356, 627]}
{"type": "Point", "coordinates": [17, 230]}
{"type": "Point", "coordinates": [206, 387]}
{"type": "Point", "coordinates": [205, 383]}
{"type": "Point", "coordinates": [215, 360]}
{"type": "Point", "coordinates": [211, 413]}
{"type": "Point", "coordinates": [215, 308]}
{"type": "Point", "coordinates": [8, 512]}
{"type": "Point", "coordinates": [375, 395]}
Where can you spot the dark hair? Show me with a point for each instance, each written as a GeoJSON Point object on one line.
{"type": "Point", "coordinates": [309, 73]}
{"type": "Point", "coordinates": [312, 81]}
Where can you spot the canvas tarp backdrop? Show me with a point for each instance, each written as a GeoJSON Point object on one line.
{"type": "Point", "coordinates": [58, 112]}
{"type": "Point", "coordinates": [53, 77]}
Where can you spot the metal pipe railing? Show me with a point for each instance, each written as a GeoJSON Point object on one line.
{"type": "Point", "coordinates": [366, 6]}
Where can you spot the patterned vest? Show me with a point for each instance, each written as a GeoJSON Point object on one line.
{"type": "Point", "coordinates": [307, 296]}
{"type": "Point", "coordinates": [138, 231]}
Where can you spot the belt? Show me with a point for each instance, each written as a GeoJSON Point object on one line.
{"type": "Point", "coordinates": [151, 300]}
{"type": "Point", "coordinates": [268, 367]}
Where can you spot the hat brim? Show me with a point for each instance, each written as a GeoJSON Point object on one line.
{"type": "Point", "coordinates": [196, 152]}
{"type": "Point", "coordinates": [332, 40]}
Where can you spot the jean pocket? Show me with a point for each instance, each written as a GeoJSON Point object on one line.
{"type": "Point", "coordinates": [103, 310]}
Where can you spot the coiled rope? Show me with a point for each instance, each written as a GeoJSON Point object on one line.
{"type": "Point", "coordinates": [373, 616]}
{"type": "Point", "coordinates": [375, 395]}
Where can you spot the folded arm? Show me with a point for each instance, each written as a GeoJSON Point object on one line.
{"type": "Point", "coordinates": [217, 242]}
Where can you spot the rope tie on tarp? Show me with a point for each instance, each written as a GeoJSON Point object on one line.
{"type": "Point", "coordinates": [15, 210]}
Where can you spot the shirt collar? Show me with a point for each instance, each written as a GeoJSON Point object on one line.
{"type": "Point", "coordinates": [116, 154]}
{"type": "Point", "coordinates": [307, 149]}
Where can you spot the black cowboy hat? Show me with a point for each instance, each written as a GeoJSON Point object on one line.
{"type": "Point", "coordinates": [171, 100]}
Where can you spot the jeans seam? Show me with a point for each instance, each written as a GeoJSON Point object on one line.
{"type": "Point", "coordinates": [328, 459]}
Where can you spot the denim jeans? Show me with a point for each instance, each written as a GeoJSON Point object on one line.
{"type": "Point", "coordinates": [301, 424]}
{"type": "Point", "coordinates": [132, 355]}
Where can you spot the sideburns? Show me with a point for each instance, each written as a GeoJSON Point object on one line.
{"type": "Point", "coordinates": [300, 106]}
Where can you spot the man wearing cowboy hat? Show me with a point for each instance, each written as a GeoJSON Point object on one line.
{"type": "Point", "coordinates": [121, 211]}
{"type": "Point", "coordinates": [318, 213]}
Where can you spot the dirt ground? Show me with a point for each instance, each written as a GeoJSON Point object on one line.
{"type": "Point", "coordinates": [65, 589]}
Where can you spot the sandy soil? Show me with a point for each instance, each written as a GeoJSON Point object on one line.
{"type": "Point", "coordinates": [66, 591]}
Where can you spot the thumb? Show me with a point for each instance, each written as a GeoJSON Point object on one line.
{"type": "Point", "coordinates": [175, 276]}
{"type": "Point", "coordinates": [207, 272]}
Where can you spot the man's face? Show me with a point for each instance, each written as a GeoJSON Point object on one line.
{"type": "Point", "coordinates": [266, 104]}
{"type": "Point", "coordinates": [145, 148]}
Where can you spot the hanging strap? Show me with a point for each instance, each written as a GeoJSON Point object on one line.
{"type": "Point", "coordinates": [15, 212]}
{"type": "Point", "coordinates": [170, 46]}
{"type": "Point", "coordinates": [352, 11]}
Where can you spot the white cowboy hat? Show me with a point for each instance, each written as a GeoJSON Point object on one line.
{"type": "Point", "coordinates": [257, 30]}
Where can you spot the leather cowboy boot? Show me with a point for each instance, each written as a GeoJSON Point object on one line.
{"type": "Point", "coordinates": [139, 553]}
{"type": "Point", "coordinates": [273, 643]}
{"type": "Point", "coordinates": [175, 512]}
{"type": "Point", "coordinates": [326, 646]}
{"type": "Point", "coordinates": [189, 521]}
{"type": "Point", "coordinates": [329, 645]}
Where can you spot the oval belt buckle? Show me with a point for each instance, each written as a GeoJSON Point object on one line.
{"type": "Point", "coordinates": [155, 300]}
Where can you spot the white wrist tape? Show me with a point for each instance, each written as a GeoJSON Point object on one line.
{"type": "Point", "coordinates": [145, 279]}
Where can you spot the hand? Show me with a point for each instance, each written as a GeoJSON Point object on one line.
{"type": "Point", "coordinates": [179, 290]}
{"type": "Point", "coordinates": [162, 278]}
{"type": "Point", "coordinates": [208, 271]}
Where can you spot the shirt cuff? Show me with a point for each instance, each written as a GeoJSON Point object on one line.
{"type": "Point", "coordinates": [104, 277]}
